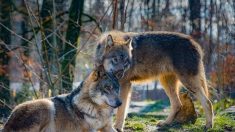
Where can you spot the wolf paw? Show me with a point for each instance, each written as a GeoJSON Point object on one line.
{"type": "Point", "coordinates": [119, 130]}
{"type": "Point", "coordinates": [208, 126]}
{"type": "Point", "coordinates": [161, 123]}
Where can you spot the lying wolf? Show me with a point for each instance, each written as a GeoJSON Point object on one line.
{"type": "Point", "coordinates": [87, 108]}
{"type": "Point", "coordinates": [172, 58]}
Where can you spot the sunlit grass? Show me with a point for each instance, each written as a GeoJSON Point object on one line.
{"type": "Point", "coordinates": [142, 122]}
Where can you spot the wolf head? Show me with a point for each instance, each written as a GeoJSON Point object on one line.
{"type": "Point", "coordinates": [114, 55]}
{"type": "Point", "coordinates": [105, 88]}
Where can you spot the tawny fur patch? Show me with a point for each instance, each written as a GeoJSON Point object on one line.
{"type": "Point", "coordinates": [187, 113]}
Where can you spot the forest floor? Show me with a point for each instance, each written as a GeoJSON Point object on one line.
{"type": "Point", "coordinates": [145, 117]}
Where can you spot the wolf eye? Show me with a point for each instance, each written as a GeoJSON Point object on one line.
{"type": "Point", "coordinates": [121, 57]}
{"type": "Point", "coordinates": [115, 60]}
{"type": "Point", "coordinates": [107, 89]}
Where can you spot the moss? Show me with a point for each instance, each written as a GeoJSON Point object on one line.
{"type": "Point", "coordinates": [141, 122]}
{"type": "Point", "coordinates": [223, 104]}
{"type": "Point", "coordinates": [144, 121]}
{"type": "Point", "coordinates": [148, 119]}
{"type": "Point", "coordinates": [135, 125]}
{"type": "Point", "coordinates": [222, 123]}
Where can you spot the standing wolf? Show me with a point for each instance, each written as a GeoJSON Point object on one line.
{"type": "Point", "coordinates": [173, 58]}
{"type": "Point", "coordinates": [87, 108]}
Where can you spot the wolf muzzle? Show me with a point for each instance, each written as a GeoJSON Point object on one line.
{"type": "Point", "coordinates": [116, 104]}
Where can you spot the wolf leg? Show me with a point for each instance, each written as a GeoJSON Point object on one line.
{"type": "Point", "coordinates": [197, 85]}
{"type": "Point", "coordinates": [122, 110]}
{"type": "Point", "coordinates": [171, 86]}
{"type": "Point", "coordinates": [108, 128]}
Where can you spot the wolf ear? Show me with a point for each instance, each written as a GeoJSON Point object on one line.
{"type": "Point", "coordinates": [101, 70]}
{"type": "Point", "coordinates": [126, 37]}
{"type": "Point", "coordinates": [98, 73]}
{"type": "Point", "coordinates": [109, 42]}
{"type": "Point", "coordinates": [128, 40]}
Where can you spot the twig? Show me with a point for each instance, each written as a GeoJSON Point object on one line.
{"type": "Point", "coordinates": [94, 20]}
{"type": "Point", "coordinates": [2, 85]}
{"type": "Point", "coordinates": [42, 34]}
{"type": "Point", "coordinates": [4, 103]}
{"type": "Point", "coordinates": [15, 33]}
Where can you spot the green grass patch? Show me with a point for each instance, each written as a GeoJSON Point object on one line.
{"type": "Point", "coordinates": [223, 104]}
{"type": "Point", "coordinates": [135, 126]}
{"type": "Point", "coordinates": [222, 123]}
{"type": "Point", "coordinates": [147, 119]}
{"type": "Point", "coordinates": [142, 122]}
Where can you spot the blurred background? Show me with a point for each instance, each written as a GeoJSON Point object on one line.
{"type": "Point", "coordinates": [47, 46]}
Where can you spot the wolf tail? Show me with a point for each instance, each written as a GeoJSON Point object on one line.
{"type": "Point", "coordinates": [204, 81]}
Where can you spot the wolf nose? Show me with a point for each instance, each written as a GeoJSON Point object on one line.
{"type": "Point", "coordinates": [118, 103]}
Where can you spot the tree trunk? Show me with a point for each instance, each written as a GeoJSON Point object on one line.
{"type": "Point", "coordinates": [184, 17]}
{"type": "Point", "coordinates": [210, 47]}
{"type": "Point", "coordinates": [123, 14]}
{"type": "Point", "coordinates": [195, 18]}
{"type": "Point", "coordinates": [73, 32]}
{"type": "Point", "coordinates": [17, 72]}
{"type": "Point", "coordinates": [115, 14]}
{"type": "Point", "coordinates": [153, 16]}
{"type": "Point", "coordinates": [5, 40]}
{"type": "Point", "coordinates": [50, 45]}
{"type": "Point", "coordinates": [131, 15]}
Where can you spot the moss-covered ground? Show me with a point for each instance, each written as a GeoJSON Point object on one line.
{"type": "Point", "coordinates": [149, 116]}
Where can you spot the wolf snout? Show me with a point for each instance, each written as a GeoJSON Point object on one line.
{"type": "Point", "coordinates": [118, 103]}
{"type": "Point", "coordinates": [114, 102]}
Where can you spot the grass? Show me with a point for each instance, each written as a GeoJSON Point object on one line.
{"type": "Point", "coordinates": [146, 121]}
{"type": "Point", "coordinates": [141, 122]}
{"type": "Point", "coordinates": [222, 123]}
{"type": "Point", "coordinates": [223, 104]}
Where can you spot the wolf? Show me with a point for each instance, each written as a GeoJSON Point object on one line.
{"type": "Point", "coordinates": [87, 108]}
{"type": "Point", "coordinates": [172, 58]}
